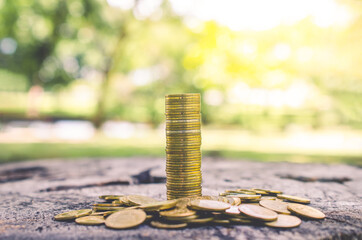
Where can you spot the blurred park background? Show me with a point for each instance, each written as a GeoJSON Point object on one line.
{"type": "Point", "coordinates": [280, 80]}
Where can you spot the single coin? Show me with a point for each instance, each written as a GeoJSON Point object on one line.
{"type": "Point", "coordinates": [90, 220]}
{"type": "Point", "coordinates": [241, 192]}
{"type": "Point", "coordinates": [183, 219]}
{"type": "Point", "coordinates": [168, 225]}
{"type": "Point", "coordinates": [73, 214]}
{"type": "Point", "coordinates": [276, 206]}
{"type": "Point", "coordinates": [201, 220]}
{"type": "Point", "coordinates": [106, 205]}
{"type": "Point", "coordinates": [109, 197]}
{"type": "Point", "coordinates": [246, 196]}
{"type": "Point", "coordinates": [221, 221]}
{"type": "Point", "coordinates": [237, 201]}
{"type": "Point", "coordinates": [305, 211]}
{"type": "Point", "coordinates": [285, 221]}
{"type": "Point", "coordinates": [209, 205]}
{"type": "Point", "coordinates": [140, 200]}
{"type": "Point", "coordinates": [268, 198]}
{"type": "Point", "coordinates": [106, 208]}
{"type": "Point", "coordinates": [126, 219]}
{"type": "Point", "coordinates": [241, 220]}
{"type": "Point", "coordinates": [268, 190]}
{"type": "Point", "coordinates": [184, 121]}
{"type": "Point", "coordinates": [293, 198]}
{"type": "Point", "coordinates": [177, 212]}
{"type": "Point", "coordinates": [104, 214]}
{"type": "Point", "coordinates": [258, 212]}
{"type": "Point", "coordinates": [233, 210]}
{"type": "Point", "coordinates": [163, 205]}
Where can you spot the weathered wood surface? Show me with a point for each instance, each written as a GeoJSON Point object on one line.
{"type": "Point", "coordinates": [32, 193]}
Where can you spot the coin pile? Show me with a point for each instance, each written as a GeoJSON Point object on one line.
{"type": "Point", "coordinates": [183, 142]}
{"type": "Point", "coordinates": [261, 207]}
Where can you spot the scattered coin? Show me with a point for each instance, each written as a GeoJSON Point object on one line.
{"type": "Point", "coordinates": [209, 205]}
{"type": "Point", "coordinates": [155, 206]}
{"type": "Point", "coordinates": [72, 214]}
{"type": "Point", "coordinates": [258, 212]}
{"type": "Point", "coordinates": [168, 225]}
{"type": "Point", "coordinates": [90, 220]}
{"type": "Point", "coordinates": [200, 220]}
{"type": "Point", "coordinates": [126, 219]}
{"type": "Point", "coordinates": [285, 221]}
{"type": "Point", "coordinates": [233, 210]}
{"type": "Point", "coordinates": [276, 206]}
{"type": "Point", "coordinates": [140, 200]}
{"type": "Point", "coordinates": [305, 211]}
{"type": "Point", "coordinates": [293, 198]}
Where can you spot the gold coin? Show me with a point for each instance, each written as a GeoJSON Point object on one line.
{"type": "Point", "coordinates": [184, 175]}
{"type": "Point", "coordinates": [186, 159]}
{"type": "Point", "coordinates": [163, 205]}
{"type": "Point", "coordinates": [268, 191]}
{"type": "Point", "coordinates": [182, 109]}
{"type": "Point", "coordinates": [194, 134]}
{"type": "Point", "coordinates": [106, 208]}
{"type": "Point", "coordinates": [158, 224]}
{"type": "Point", "coordinates": [183, 118]}
{"type": "Point", "coordinates": [173, 171]}
{"type": "Point", "coordinates": [90, 220]}
{"type": "Point", "coordinates": [124, 200]}
{"type": "Point", "coordinates": [293, 198]}
{"type": "Point", "coordinates": [181, 143]}
{"type": "Point", "coordinates": [72, 214]}
{"type": "Point", "coordinates": [221, 221]}
{"type": "Point", "coordinates": [184, 105]}
{"type": "Point", "coordinates": [126, 219]}
{"type": "Point", "coordinates": [184, 121]}
{"type": "Point", "coordinates": [240, 220]}
{"type": "Point", "coordinates": [276, 206]}
{"type": "Point", "coordinates": [269, 198]}
{"type": "Point", "coordinates": [209, 205]}
{"type": "Point", "coordinates": [110, 197]}
{"type": "Point", "coordinates": [258, 212]}
{"type": "Point", "coordinates": [233, 210]}
{"type": "Point", "coordinates": [183, 96]}
{"type": "Point", "coordinates": [305, 211]}
{"type": "Point", "coordinates": [284, 221]}
{"type": "Point", "coordinates": [183, 219]}
{"type": "Point", "coordinates": [104, 214]}
{"type": "Point", "coordinates": [184, 180]}
{"type": "Point", "coordinates": [140, 200]}
{"type": "Point", "coordinates": [182, 149]}
{"type": "Point", "coordinates": [184, 138]}
{"type": "Point", "coordinates": [177, 212]}
{"type": "Point", "coordinates": [246, 196]}
{"type": "Point", "coordinates": [241, 192]}
{"type": "Point", "coordinates": [237, 201]}
{"type": "Point", "coordinates": [200, 220]}
{"type": "Point", "coordinates": [106, 205]}
{"type": "Point", "coordinates": [183, 191]}
{"type": "Point", "coordinates": [195, 131]}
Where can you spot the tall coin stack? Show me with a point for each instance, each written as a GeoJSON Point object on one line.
{"type": "Point", "coordinates": [183, 142]}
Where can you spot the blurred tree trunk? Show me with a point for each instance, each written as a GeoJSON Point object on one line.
{"type": "Point", "coordinates": [99, 116]}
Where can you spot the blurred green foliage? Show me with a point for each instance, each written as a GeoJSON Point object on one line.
{"type": "Point", "coordinates": [99, 62]}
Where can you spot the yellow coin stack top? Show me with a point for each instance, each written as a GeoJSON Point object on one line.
{"type": "Point", "coordinates": [183, 142]}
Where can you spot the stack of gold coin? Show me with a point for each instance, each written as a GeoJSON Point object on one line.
{"type": "Point", "coordinates": [183, 142]}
